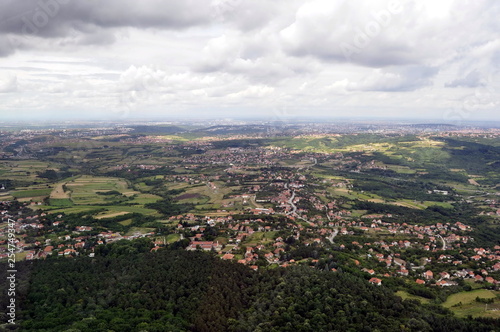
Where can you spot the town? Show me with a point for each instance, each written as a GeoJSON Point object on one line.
{"type": "Point", "coordinates": [380, 204]}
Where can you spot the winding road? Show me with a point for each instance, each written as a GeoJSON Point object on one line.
{"type": "Point", "coordinates": [444, 242]}
{"type": "Point", "coordinates": [294, 212]}
{"type": "Point", "coordinates": [294, 207]}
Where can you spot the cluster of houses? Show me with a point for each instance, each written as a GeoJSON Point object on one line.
{"type": "Point", "coordinates": [237, 156]}
{"type": "Point", "coordinates": [69, 245]}
{"type": "Point", "coordinates": [287, 191]}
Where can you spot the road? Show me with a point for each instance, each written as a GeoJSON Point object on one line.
{"type": "Point", "coordinates": [333, 235]}
{"type": "Point", "coordinates": [327, 214]}
{"type": "Point", "coordinates": [294, 212]}
{"type": "Point", "coordinates": [294, 207]}
{"type": "Point", "coordinates": [444, 242]}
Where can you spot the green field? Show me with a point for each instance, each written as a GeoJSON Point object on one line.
{"type": "Point", "coordinates": [468, 297]}
{"type": "Point", "coordinates": [25, 171]}
{"type": "Point", "coordinates": [204, 196]}
{"type": "Point", "coordinates": [139, 230]}
{"type": "Point", "coordinates": [171, 238]}
{"type": "Point", "coordinates": [114, 209]}
{"type": "Point", "coordinates": [125, 222]}
{"type": "Point", "coordinates": [86, 194]}
{"type": "Point", "coordinates": [464, 304]}
{"type": "Point", "coordinates": [62, 202]}
{"type": "Point", "coordinates": [261, 237]}
{"type": "Point", "coordinates": [475, 309]}
{"type": "Point", "coordinates": [31, 193]}
{"type": "Point", "coordinates": [405, 295]}
{"type": "Point", "coordinates": [84, 189]}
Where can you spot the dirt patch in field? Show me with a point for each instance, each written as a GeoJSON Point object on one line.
{"type": "Point", "coordinates": [34, 199]}
{"type": "Point", "coordinates": [408, 205]}
{"type": "Point", "coordinates": [111, 215]}
{"type": "Point", "coordinates": [473, 182]}
{"type": "Point", "coordinates": [59, 192]}
{"type": "Point", "coordinates": [92, 181]}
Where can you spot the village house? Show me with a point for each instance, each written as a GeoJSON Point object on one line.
{"type": "Point", "coordinates": [204, 245]}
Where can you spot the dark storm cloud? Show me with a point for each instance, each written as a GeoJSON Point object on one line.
{"type": "Point", "coordinates": [91, 22]}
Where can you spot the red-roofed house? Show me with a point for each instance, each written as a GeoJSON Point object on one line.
{"type": "Point", "coordinates": [445, 283]}
{"type": "Point", "coordinates": [491, 280]}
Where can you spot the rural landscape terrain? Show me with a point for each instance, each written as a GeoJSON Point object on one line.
{"type": "Point", "coordinates": [249, 166]}
{"type": "Point", "coordinates": [251, 227]}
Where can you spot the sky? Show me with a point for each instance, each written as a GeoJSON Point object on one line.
{"type": "Point", "coordinates": [282, 59]}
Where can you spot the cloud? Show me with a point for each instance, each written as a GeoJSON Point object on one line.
{"type": "Point", "coordinates": [52, 17]}
{"type": "Point", "coordinates": [253, 92]}
{"type": "Point", "coordinates": [386, 33]}
{"type": "Point", "coordinates": [255, 56]}
{"type": "Point", "coordinates": [345, 31]}
{"type": "Point", "coordinates": [310, 56]}
{"type": "Point", "coordinates": [8, 83]}
{"type": "Point", "coordinates": [87, 21]}
{"type": "Point", "coordinates": [219, 52]}
{"type": "Point", "coordinates": [471, 80]}
{"type": "Point", "coordinates": [402, 79]}
{"type": "Point", "coordinates": [253, 15]}
{"type": "Point", "coordinates": [139, 79]}
{"type": "Point", "coordinates": [5, 46]}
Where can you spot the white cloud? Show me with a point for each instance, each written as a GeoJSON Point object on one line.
{"type": "Point", "coordinates": [8, 82]}
{"type": "Point", "coordinates": [402, 79]}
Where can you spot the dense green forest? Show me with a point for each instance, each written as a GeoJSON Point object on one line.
{"type": "Point", "coordinates": [125, 287]}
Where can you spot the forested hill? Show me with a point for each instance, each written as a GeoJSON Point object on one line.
{"type": "Point", "coordinates": [124, 289]}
